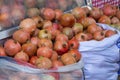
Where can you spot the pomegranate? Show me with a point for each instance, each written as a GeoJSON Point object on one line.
{"type": "Point", "coordinates": [12, 47]}
{"type": "Point", "coordinates": [75, 53]}
{"type": "Point", "coordinates": [61, 37]}
{"type": "Point", "coordinates": [4, 10]}
{"type": "Point", "coordinates": [104, 19]}
{"type": "Point", "coordinates": [44, 34]}
{"type": "Point", "coordinates": [55, 75]}
{"type": "Point", "coordinates": [87, 21]}
{"type": "Point", "coordinates": [90, 36]}
{"type": "Point", "coordinates": [67, 20]}
{"type": "Point", "coordinates": [30, 3]}
{"type": "Point", "coordinates": [34, 40]}
{"type": "Point", "coordinates": [44, 63]}
{"type": "Point", "coordinates": [109, 10]}
{"type": "Point", "coordinates": [21, 36]}
{"type": "Point", "coordinates": [96, 13]}
{"type": "Point", "coordinates": [53, 4]}
{"type": "Point", "coordinates": [17, 13]}
{"type": "Point", "coordinates": [54, 56]}
{"type": "Point", "coordinates": [77, 28]}
{"type": "Point", "coordinates": [33, 77]}
{"type": "Point", "coordinates": [31, 12]}
{"type": "Point", "coordinates": [114, 20]}
{"type": "Point", "coordinates": [28, 25]}
{"type": "Point", "coordinates": [47, 24]}
{"type": "Point", "coordinates": [87, 10]}
{"type": "Point", "coordinates": [33, 59]}
{"type": "Point", "coordinates": [53, 32]}
{"type": "Point", "coordinates": [39, 21]}
{"type": "Point", "coordinates": [62, 4]}
{"type": "Point", "coordinates": [78, 12]}
{"type": "Point", "coordinates": [58, 14]}
{"type": "Point", "coordinates": [68, 32]}
{"type": "Point", "coordinates": [68, 59]}
{"type": "Point", "coordinates": [109, 33]}
{"type": "Point", "coordinates": [99, 35]}
{"type": "Point", "coordinates": [118, 14]}
{"type": "Point", "coordinates": [73, 43]}
{"type": "Point", "coordinates": [29, 48]}
{"type": "Point", "coordinates": [14, 77]}
{"type": "Point", "coordinates": [81, 37]}
{"type": "Point", "coordinates": [57, 26]}
{"type": "Point", "coordinates": [2, 51]}
{"type": "Point", "coordinates": [35, 33]}
{"type": "Point", "coordinates": [45, 43]}
{"type": "Point", "coordinates": [48, 14]}
{"type": "Point", "coordinates": [57, 63]}
{"type": "Point", "coordinates": [44, 51]}
{"type": "Point", "coordinates": [21, 56]}
{"type": "Point", "coordinates": [92, 28]}
{"type": "Point", "coordinates": [61, 46]}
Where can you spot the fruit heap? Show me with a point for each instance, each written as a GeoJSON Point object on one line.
{"type": "Point", "coordinates": [51, 39]}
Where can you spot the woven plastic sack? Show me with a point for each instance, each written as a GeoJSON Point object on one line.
{"type": "Point", "coordinates": [101, 57]}
{"type": "Point", "coordinates": [11, 69]}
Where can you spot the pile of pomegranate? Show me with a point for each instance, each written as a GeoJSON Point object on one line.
{"type": "Point", "coordinates": [50, 38]}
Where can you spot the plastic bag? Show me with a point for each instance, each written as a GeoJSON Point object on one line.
{"type": "Point", "coordinates": [101, 57]}
{"type": "Point", "coordinates": [11, 69]}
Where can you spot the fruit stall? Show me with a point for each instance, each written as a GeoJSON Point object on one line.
{"type": "Point", "coordinates": [59, 39]}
